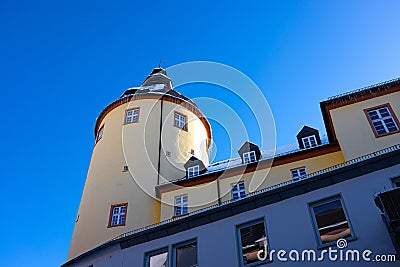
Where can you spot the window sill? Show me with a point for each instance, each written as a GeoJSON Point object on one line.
{"type": "Point", "coordinates": [385, 134]}
{"type": "Point", "coordinates": [178, 216]}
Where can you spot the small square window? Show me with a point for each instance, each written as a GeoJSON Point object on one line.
{"type": "Point", "coordinates": [185, 254]}
{"type": "Point", "coordinates": [181, 205]}
{"type": "Point", "coordinates": [238, 191]}
{"type": "Point", "coordinates": [193, 171]}
{"type": "Point", "coordinates": [158, 258]}
{"type": "Point", "coordinates": [330, 220]}
{"type": "Point", "coordinates": [249, 157]}
{"type": "Point", "coordinates": [298, 173]}
{"type": "Point", "coordinates": [132, 115]}
{"type": "Point", "coordinates": [100, 133]}
{"type": "Point", "coordinates": [309, 141]}
{"type": "Point", "coordinates": [125, 169]}
{"type": "Point", "coordinates": [253, 245]}
{"type": "Point", "coordinates": [382, 120]}
{"type": "Point", "coordinates": [180, 121]}
{"type": "Point", "coordinates": [118, 215]}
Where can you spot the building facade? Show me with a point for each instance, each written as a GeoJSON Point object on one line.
{"type": "Point", "coordinates": [153, 199]}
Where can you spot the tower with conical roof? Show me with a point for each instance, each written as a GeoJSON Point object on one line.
{"type": "Point", "coordinates": [143, 139]}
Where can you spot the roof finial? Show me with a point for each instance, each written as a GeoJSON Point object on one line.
{"type": "Point", "coordinates": [161, 61]}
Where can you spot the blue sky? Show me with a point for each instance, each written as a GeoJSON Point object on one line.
{"type": "Point", "coordinates": [62, 62]}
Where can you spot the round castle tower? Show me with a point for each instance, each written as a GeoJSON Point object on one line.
{"type": "Point", "coordinates": [143, 139]}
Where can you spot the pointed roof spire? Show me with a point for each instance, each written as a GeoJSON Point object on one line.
{"type": "Point", "coordinates": [158, 76]}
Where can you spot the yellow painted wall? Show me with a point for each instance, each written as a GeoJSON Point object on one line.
{"type": "Point", "coordinates": [353, 131]}
{"type": "Point", "coordinates": [200, 196]}
{"type": "Point", "coordinates": [135, 145]}
{"type": "Point", "coordinates": [204, 195]}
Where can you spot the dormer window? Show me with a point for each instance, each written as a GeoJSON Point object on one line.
{"type": "Point", "coordinates": [308, 137]}
{"type": "Point", "coordinates": [309, 141]}
{"type": "Point", "coordinates": [194, 167]}
{"type": "Point", "coordinates": [249, 157]}
{"type": "Point", "coordinates": [249, 153]}
{"type": "Point", "coordinates": [193, 171]}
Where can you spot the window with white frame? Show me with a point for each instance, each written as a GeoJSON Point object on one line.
{"type": "Point", "coordinates": [132, 115]}
{"type": "Point", "coordinates": [193, 171]}
{"type": "Point", "coordinates": [309, 141]}
{"type": "Point", "coordinates": [118, 215]}
{"type": "Point", "coordinates": [298, 173]}
{"type": "Point", "coordinates": [180, 121]}
{"type": "Point", "coordinates": [249, 157]}
{"type": "Point", "coordinates": [382, 120]}
{"type": "Point", "coordinates": [181, 205]}
{"type": "Point", "coordinates": [330, 220]}
{"type": "Point", "coordinates": [238, 191]}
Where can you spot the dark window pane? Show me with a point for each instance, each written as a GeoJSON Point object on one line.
{"type": "Point", "coordinates": [253, 239]}
{"type": "Point", "coordinates": [331, 221]}
{"type": "Point", "coordinates": [186, 256]}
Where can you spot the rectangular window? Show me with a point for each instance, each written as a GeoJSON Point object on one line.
{"type": "Point", "coordinates": [298, 173]}
{"type": "Point", "coordinates": [185, 254]}
{"type": "Point", "coordinates": [330, 220]}
{"type": "Point", "coordinates": [158, 258]}
{"type": "Point", "coordinates": [193, 171]}
{"type": "Point", "coordinates": [382, 120]}
{"type": "Point", "coordinates": [118, 215]}
{"type": "Point", "coordinates": [181, 205]}
{"type": "Point", "coordinates": [180, 121]}
{"type": "Point", "coordinates": [100, 133]}
{"type": "Point", "coordinates": [238, 191]}
{"type": "Point", "coordinates": [249, 157]}
{"type": "Point", "coordinates": [309, 141]}
{"type": "Point", "coordinates": [132, 115]}
{"type": "Point", "coordinates": [253, 245]}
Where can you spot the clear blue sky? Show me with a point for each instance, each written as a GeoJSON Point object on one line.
{"type": "Point", "coordinates": [62, 62]}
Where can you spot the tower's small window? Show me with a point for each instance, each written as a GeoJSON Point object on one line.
{"type": "Point", "coordinates": [309, 141]}
{"type": "Point", "coordinates": [249, 157]}
{"type": "Point", "coordinates": [181, 205]}
{"type": "Point", "coordinates": [100, 133]}
{"type": "Point", "coordinates": [180, 121]}
{"type": "Point", "coordinates": [118, 215]}
{"type": "Point", "coordinates": [238, 191]}
{"type": "Point", "coordinates": [193, 171]}
{"type": "Point", "coordinates": [298, 173]}
{"type": "Point", "coordinates": [125, 169]}
{"type": "Point", "coordinates": [131, 115]}
{"type": "Point", "coordinates": [382, 120]}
